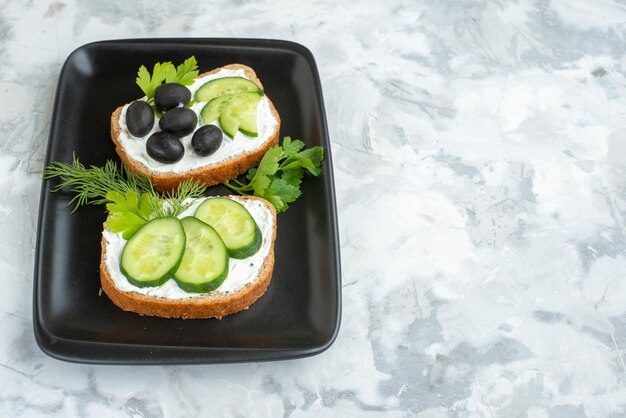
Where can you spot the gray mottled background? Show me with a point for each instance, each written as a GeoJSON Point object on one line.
{"type": "Point", "coordinates": [480, 162]}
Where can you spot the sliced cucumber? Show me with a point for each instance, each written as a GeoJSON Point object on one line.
{"type": "Point", "coordinates": [225, 86]}
{"type": "Point", "coordinates": [234, 223]}
{"type": "Point", "coordinates": [248, 124]}
{"type": "Point", "coordinates": [229, 124]}
{"type": "Point", "coordinates": [235, 112]}
{"type": "Point", "coordinates": [154, 252]}
{"type": "Point", "coordinates": [204, 265]}
{"type": "Point", "coordinates": [244, 112]}
{"type": "Point", "coordinates": [211, 111]}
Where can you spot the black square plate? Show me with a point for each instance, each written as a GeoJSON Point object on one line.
{"type": "Point", "coordinates": [298, 316]}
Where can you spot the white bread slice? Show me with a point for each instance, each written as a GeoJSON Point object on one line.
{"type": "Point", "coordinates": [212, 304]}
{"type": "Point", "coordinates": [210, 174]}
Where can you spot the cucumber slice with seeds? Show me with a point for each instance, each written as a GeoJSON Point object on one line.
{"type": "Point", "coordinates": [154, 252]}
{"type": "Point", "coordinates": [229, 124]}
{"type": "Point", "coordinates": [204, 265]}
{"type": "Point", "coordinates": [248, 122]}
{"type": "Point", "coordinates": [242, 114]}
{"type": "Point", "coordinates": [233, 223]}
{"type": "Point", "coordinates": [235, 112]}
{"type": "Point", "coordinates": [225, 86]}
{"type": "Point", "coordinates": [211, 111]}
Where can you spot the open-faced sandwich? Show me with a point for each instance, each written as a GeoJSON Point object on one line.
{"type": "Point", "coordinates": [213, 259]}
{"type": "Point", "coordinates": [181, 254]}
{"type": "Point", "coordinates": [210, 127]}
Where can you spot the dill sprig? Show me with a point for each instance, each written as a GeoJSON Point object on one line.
{"type": "Point", "coordinates": [130, 198]}
{"type": "Point", "coordinates": [179, 201]}
{"type": "Point", "coordinates": [91, 185]}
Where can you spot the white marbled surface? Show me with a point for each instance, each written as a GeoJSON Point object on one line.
{"type": "Point", "coordinates": [480, 163]}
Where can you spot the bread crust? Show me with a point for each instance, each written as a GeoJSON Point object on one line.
{"type": "Point", "coordinates": [211, 174]}
{"type": "Point", "coordinates": [210, 305]}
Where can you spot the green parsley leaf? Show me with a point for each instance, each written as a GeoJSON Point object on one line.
{"type": "Point", "coordinates": [267, 167]}
{"type": "Point", "coordinates": [128, 212]}
{"type": "Point", "coordinates": [259, 184]}
{"type": "Point", "coordinates": [125, 222]}
{"type": "Point", "coordinates": [269, 162]}
{"type": "Point", "coordinates": [184, 74]}
{"type": "Point", "coordinates": [292, 147]}
{"type": "Point", "coordinates": [160, 72]}
{"type": "Point", "coordinates": [312, 159]}
{"type": "Point", "coordinates": [147, 205]}
{"type": "Point", "coordinates": [251, 173]}
{"type": "Point", "coordinates": [293, 176]}
{"type": "Point", "coordinates": [287, 192]}
{"type": "Point", "coordinates": [280, 193]}
{"type": "Point", "coordinates": [280, 172]}
{"type": "Point", "coordinates": [144, 81]}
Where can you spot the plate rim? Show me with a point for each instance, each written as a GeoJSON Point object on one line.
{"type": "Point", "coordinates": [69, 349]}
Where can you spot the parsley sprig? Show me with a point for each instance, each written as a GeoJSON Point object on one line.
{"type": "Point", "coordinates": [130, 199]}
{"type": "Point", "coordinates": [166, 72]}
{"type": "Point", "coordinates": [279, 174]}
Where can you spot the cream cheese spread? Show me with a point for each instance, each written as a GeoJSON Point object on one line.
{"type": "Point", "coordinates": [240, 272]}
{"type": "Point", "coordinates": [231, 147]}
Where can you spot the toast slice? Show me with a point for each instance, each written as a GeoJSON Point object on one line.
{"type": "Point", "coordinates": [211, 173]}
{"type": "Point", "coordinates": [216, 304]}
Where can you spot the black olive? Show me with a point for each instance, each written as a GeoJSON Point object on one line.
{"type": "Point", "coordinates": [180, 121]}
{"type": "Point", "coordinates": [171, 95]}
{"type": "Point", "coordinates": [139, 118]}
{"type": "Point", "coordinates": [165, 147]}
{"type": "Point", "coordinates": [206, 140]}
